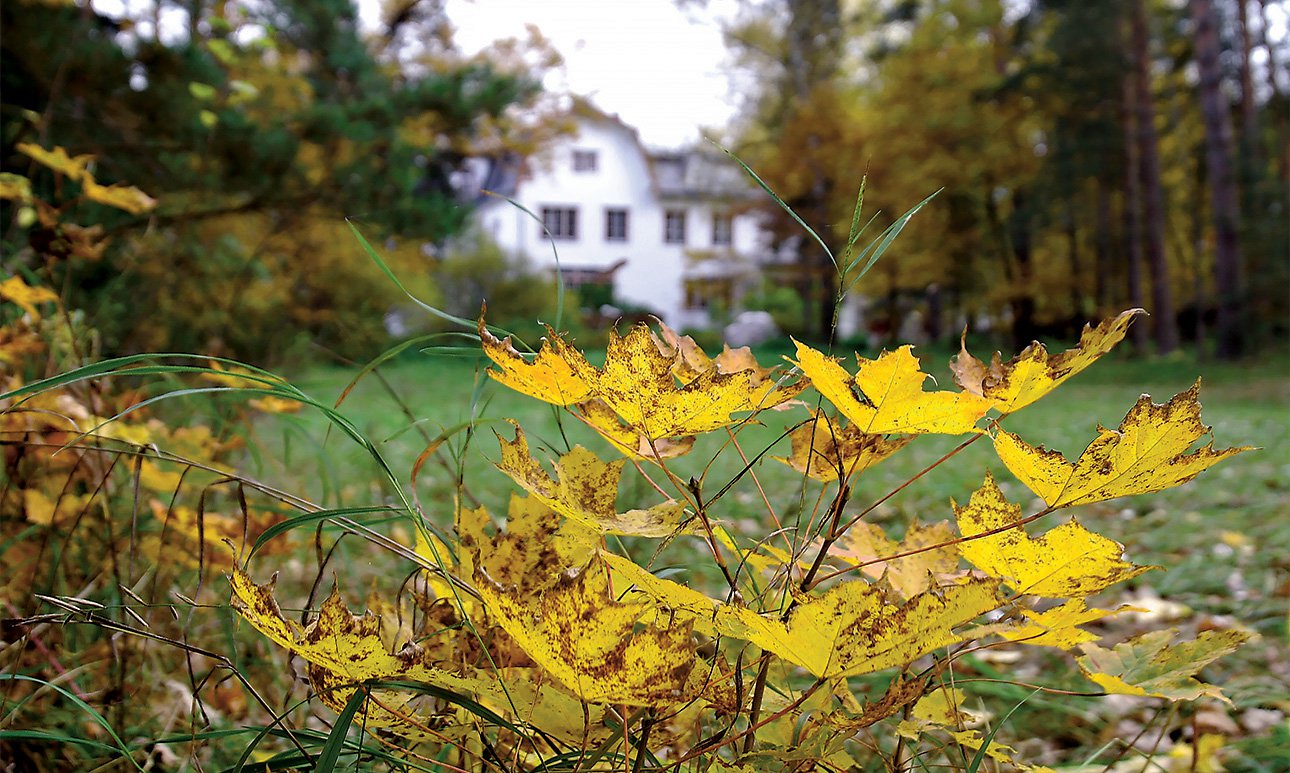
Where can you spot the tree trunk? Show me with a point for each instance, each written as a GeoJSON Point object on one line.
{"type": "Point", "coordinates": [1133, 213]}
{"type": "Point", "coordinates": [1023, 296]}
{"type": "Point", "coordinates": [1153, 212]}
{"type": "Point", "coordinates": [1102, 250]}
{"type": "Point", "coordinates": [1218, 165]}
{"type": "Point", "coordinates": [814, 42]}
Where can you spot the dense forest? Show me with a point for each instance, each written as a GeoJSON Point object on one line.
{"type": "Point", "coordinates": [1090, 155]}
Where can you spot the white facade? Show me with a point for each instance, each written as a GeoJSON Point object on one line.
{"type": "Point", "coordinates": [671, 229]}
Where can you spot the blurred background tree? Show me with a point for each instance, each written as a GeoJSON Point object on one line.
{"type": "Point", "coordinates": [1080, 148]}
{"type": "Point", "coordinates": [259, 128]}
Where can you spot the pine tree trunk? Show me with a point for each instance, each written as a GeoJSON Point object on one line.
{"type": "Point", "coordinates": [1153, 214]}
{"type": "Point", "coordinates": [1218, 164]}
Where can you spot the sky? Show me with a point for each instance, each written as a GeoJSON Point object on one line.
{"type": "Point", "coordinates": [661, 69]}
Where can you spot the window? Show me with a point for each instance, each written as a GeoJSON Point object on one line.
{"type": "Point", "coordinates": [708, 294]}
{"type": "Point", "coordinates": [615, 225]}
{"type": "Point", "coordinates": [584, 160]}
{"type": "Point", "coordinates": [723, 229]}
{"type": "Point", "coordinates": [560, 222]}
{"type": "Point", "coordinates": [674, 226]}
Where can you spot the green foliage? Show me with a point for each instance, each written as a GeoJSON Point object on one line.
{"type": "Point", "coordinates": [473, 271]}
{"type": "Point", "coordinates": [259, 136]}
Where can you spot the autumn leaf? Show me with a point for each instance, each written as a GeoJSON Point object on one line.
{"type": "Point", "coordinates": [668, 598]}
{"type": "Point", "coordinates": [536, 547]}
{"type": "Point", "coordinates": [1149, 665]}
{"type": "Point", "coordinates": [76, 168]}
{"type": "Point", "coordinates": [558, 374]}
{"type": "Point", "coordinates": [1067, 562]}
{"type": "Point", "coordinates": [942, 710]}
{"type": "Point", "coordinates": [344, 650]}
{"type": "Point", "coordinates": [585, 490]}
{"type": "Point", "coordinates": [123, 197]}
{"type": "Point", "coordinates": [900, 693]}
{"type": "Point", "coordinates": [14, 187]}
{"type": "Point", "coordinates": [638, 383]}
{"type": "Point", "coordinates": [886, 395]}
{"type": "Point", "coordinates": [628, 440]}
{"type": "Point", "coordinates": [691, 361]}
{"type": "Point", "coordinates": [826, 450]}
{"type": "Point", "coordinates": [16, 290]}
{"type": "Point", "coordinates": [588, 641]}
{"type": "Point", "coordinates": [854, 629]}
{"type": "Point", "coordinates": [1034, 373]}
{"type": "Point", "coordinates": [1146, 454]}
{"type": "Point", "coordinates": [1059, 626]}
{"type": "Point", "coordinates": [865, 542]}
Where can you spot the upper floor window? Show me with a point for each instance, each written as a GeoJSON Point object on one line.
{"type": "Point", "coordinates": [674, 226]}
{"type": "Point", "coordinates": [584, 160]}
{"type": "Point", "coordinates": [560, 222]}
{"type": "Point", "coordinates": [723, 229]}
{"type": "Point", "coordinates": [615, 225]}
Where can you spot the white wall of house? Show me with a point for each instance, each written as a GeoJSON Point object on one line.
{"type": "Point", "coordinates": [623, 179]}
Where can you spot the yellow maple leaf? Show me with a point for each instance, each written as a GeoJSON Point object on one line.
{"type": "Point", "coordinates": [1059, 626]}
{"type": "Point", "coordinates": [670, 599]}
{"type": "Point", "coordinates": [344, 650]}
{"type": "Point", "coordinates": [854, 629]}
{"type": "Point", "coordinates": [908, 576]}
{"type": "Point", "coordinates": [558, 374]}
{"type": "Point", "coordinates": [16, 290]}
{"type": "Point", "coordinates": [639, 384]}
{"type": "Point", "coordinates": [1146, 454]}
{"type": "Point", "coordinates": [589, 642]}
{"type": "Point", "coordinates": [123, 197]}
{"type": "Point", "coordinates": [75, 167]}
{"type": "Point", "coordinates": [1034, 373]}
{"type": "Point", "coordinates": [826, 450]}
{"type": "Point", "coordinates": [886, 395]}
{"type": "Point", "coordinates": [1067, 562]}
{"type": "Point", "coordinates": [531, 553]}
{"type": "Point", "coordinates": [628, 440]}
{"type": "Point", "coordinates": [585, 490]}
{"type": "Point", "coordinates": [1150, 665]}
{"type": "Point", "coordinates": [15, 187]}
{"type": "Point", "coordinates": [851, 629]}
{"type": "Point", "coordinates": [690, 360]}
{"type": "Point", "coordinates": [942, 710]}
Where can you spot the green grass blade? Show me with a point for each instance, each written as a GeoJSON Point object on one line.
{"type": "Point", "coordinates": [40, 735]}
{"type": "Point", "coordinates": [879, 246]}
{"type": "Point", "coordinates": [783, 205]}
{"type": "Point", "coordinates": [559, 272]}
{"type": "Point", "coordinates": [306, 519]}
{"type": "Point", "coordinates": [83, 706]}
{"type": "Point", "coordinates": [979, 757]}
{"type": "Point", "coordinates": [381, 264]}
{"type": "Point", "coordinates": [336, 739]}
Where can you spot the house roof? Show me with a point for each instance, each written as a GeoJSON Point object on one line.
{"type": "Point", "coordinates": [700, 173]}
{"type": "Point", "coordinates": [695, 174]}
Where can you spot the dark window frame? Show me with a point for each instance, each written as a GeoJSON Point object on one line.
{"type": "Point", "coordinates": [623, 231]}
{"type": "Point", "coordinates": [674, 226]}
{"type": "Point", "coordinates": [559, 222]}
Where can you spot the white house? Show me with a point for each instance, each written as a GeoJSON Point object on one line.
{"type": "Point", "coordinates": [669, 231]}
